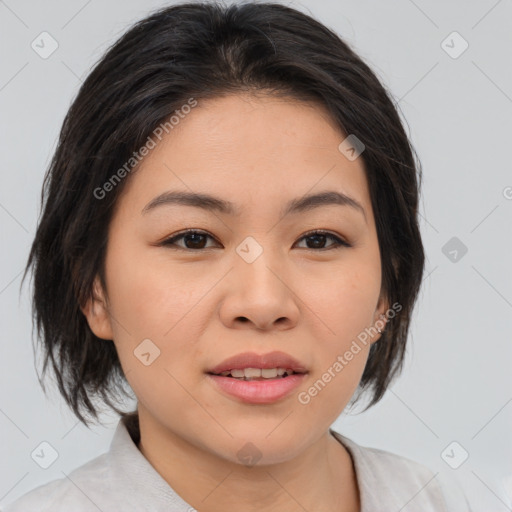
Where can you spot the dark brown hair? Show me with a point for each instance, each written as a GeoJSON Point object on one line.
{"type": "Point", "coordinates": [206, 50]}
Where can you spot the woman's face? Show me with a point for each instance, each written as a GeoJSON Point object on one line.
{"type": "Point", "coordinates": [253, 280]}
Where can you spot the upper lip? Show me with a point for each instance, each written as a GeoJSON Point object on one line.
{"type": "Point", "coordinates": [253, 360]}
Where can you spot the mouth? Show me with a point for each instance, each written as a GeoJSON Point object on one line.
{"type": "Point", "coordinates": [252, 366]}
{"type": "Point", "coordinates": [250, 374]}
{"type": "Point", "coordinates": [258, 379]}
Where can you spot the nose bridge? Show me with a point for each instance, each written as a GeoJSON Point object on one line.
{"type": "Point", "coordinates": [257, 290]}
{"type": "Point", "coordinates": [257, 264]}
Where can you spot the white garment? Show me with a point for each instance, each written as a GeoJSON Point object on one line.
{"type": "Point", "coordinates": [122, 479]}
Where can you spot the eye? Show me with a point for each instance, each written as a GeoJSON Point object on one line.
{"type": "Point", "coordinates": [318, 238]}
{"type": "Point", "coordinates": [195, 240]}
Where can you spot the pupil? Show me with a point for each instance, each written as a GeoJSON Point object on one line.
{"type": "Point", "coordinates": [194, 244]}
{"type": "Point", "coordinates": [316, 245]}
{"type": "Point", "coordinates": [318, 240]}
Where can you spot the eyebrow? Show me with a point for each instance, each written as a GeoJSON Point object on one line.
{"type": "Point", "coordinates": [212, 203]}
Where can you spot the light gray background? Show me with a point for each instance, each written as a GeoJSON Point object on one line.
{"type": "Point", "coordinates": [457, 381]}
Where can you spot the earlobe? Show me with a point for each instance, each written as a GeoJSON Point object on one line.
{"type": "Point", "coordinates": [96, 312]}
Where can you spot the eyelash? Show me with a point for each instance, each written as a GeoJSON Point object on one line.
{"type": "Point", "coordinates": [170, 242]}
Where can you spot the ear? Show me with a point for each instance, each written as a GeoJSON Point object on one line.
{"type": "Point", "coordinates": [96, 312]}
{"type": "Point", "coordinates": [380, 317]}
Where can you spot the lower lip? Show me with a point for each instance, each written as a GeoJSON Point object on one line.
{"type": "Point", "coordinates": [258, 391]}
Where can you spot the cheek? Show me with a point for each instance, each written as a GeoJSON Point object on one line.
{"type": "Point", "coordinates": [152, 301]}
{"type": "Point", "coordinates": [344, 302]}
{"type": "Point", "coordinates": [148, 295]}
{"type": "Point", "coordinates": [336, 378]}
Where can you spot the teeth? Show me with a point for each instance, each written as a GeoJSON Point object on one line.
{"type": "Point", "coordinates": [251, 373]}
{"type": "Point", "coordinates": [269, 373]}
{"type": "Point", "coordinates": [257, 373]}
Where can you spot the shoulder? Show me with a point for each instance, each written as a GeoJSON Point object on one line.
{"type": "Point", "coordinates": [77, 491]}
{"type": "Point", "coordinates": [386, 478]}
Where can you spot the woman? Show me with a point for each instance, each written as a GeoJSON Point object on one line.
{"type": "Point", "coordinates": [230, 228]}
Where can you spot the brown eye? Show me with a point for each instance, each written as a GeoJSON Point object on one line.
{"type": "Point", "coordinates": [193, 240]}
{"type": "Point", "coordinates": [317, 240]}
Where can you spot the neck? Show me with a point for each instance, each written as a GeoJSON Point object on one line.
{"type": "Point", "coordinates": [322, 477]}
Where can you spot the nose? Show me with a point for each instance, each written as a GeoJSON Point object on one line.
{"type": "Point", "coordinates": [259, 295]}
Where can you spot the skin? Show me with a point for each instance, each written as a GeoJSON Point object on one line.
{"type": "Point", "coordinates": [200, 306]}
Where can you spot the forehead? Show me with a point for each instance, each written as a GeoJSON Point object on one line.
{"type": "Point", "coordinates": [252, 151]}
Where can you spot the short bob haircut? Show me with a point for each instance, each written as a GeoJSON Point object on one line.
{"type": "Point", "coordinates": [207, 50]}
